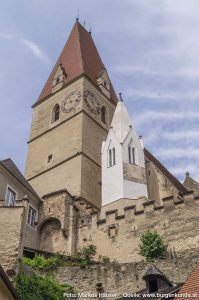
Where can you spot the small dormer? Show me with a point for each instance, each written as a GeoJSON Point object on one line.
{"type": "Point", "coordinates": [155, 280]}
{"type": "Point", "coordinates": [104, 82]}
{"type": "Point", "coordinates": [59, 79]}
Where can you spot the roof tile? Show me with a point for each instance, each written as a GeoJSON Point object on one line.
{"type": "Point", "coordinates": [79, 56]}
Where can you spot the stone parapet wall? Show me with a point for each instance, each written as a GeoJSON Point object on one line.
{"type": "Point", "coordinates": [118, 234]}
{"type": "Point", "coordinates": [122, 278]}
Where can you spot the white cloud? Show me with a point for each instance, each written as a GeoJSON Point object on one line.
{"type": "Point", "coordinates": [35, 49]}
{"type": "Point", "coordinates": [176, 152]}
{"type": "Point", "coordinates": [6, 35]}
{"type": "Point", "coordinates": [150, 116]}
{"type": "Point", "coordinates": [179, 171]}
{"type": "Point", "coordinates": [30, 45]}
{"type": "Point", "coordinates": [190, 135]}
{"type": "Point", "coordinates": [149, 70]}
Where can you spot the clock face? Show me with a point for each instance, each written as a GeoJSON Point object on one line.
{"type": "Point", "coordinates": [92, 102]}
{"type": "Point", "coordinates": [71, 101]}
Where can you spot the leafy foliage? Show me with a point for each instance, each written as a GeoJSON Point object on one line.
{"type": "Point", "coordinates": [36, 287]}
{"type": "Point", "coordinates": [85, 255]}
{"type": "Point", "coordinates": [152, 246]}
{"type": "Point", "coordinates": [41, 263]}
{"type": "Point", "coordinates": [82, 258]}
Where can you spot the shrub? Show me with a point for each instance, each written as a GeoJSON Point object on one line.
{"type": "Point", "coordinates": [104, 259]}
{"type": "Point", "coordinates": [36, 287]}
{"type": "Point", "coordinates": [86, 255]}
{"type": "Point", "coordinates": [82, 258]}
{"type": "Point", "coordinates": [152, 246]}
{"type": "Point", "coordinates": [41, 263]}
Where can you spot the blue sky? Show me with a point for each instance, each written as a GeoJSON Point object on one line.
{"type": "Point", "coordinates": [151, 51]}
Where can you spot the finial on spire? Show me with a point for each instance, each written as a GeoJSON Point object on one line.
{"type": "Point", "coordinates": [187, 174]}
{"type": "Point", "coordinates": [120, 99]}
{"type": "Point", "coordinates": [77, 19]}
{"type": "Point", "coordinates": [89, 28]}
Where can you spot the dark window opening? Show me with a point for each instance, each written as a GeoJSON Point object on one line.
{"type": "Point", "coordinates": [110, 158]}
{"type": "Point", "coordinates": [153, 286]}
{"type": "Point", "coordinates": [129, 155]}
{"type": "Point", "coordinates": [50, 157]}
{"type": "Point", "coordinates": [114, 162]}
{"type": "Point", "coordinates": [29, 253]}
{"type": "Point", "coordinates": [133, 154]}
{"type": "Point", "coordinates": [55, 113]}
{"type": "Point", "coordinates": [103, 114]}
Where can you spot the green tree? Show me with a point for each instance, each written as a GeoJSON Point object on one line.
{"type": "Point", "coordinates": [152, 246]}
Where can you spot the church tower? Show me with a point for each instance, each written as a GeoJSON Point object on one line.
{"type": "Point", "coordinates": [70, 119]}
{"type": "Point", "coordinates": [123, 163]}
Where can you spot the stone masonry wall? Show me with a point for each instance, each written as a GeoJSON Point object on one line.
{"type": "Point", "coordinates": [118, 234]}
{"type": "Point", "coordinates": [124, 277]}
{"type": "Point", "coordinates": [11, 246]}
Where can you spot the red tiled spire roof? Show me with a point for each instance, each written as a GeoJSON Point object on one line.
{"type": "Point", "coordinates": [79, 56]}
{"type": "Point", "coordinates": [191, 286]}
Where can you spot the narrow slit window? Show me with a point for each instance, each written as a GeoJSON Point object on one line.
{"type": "Point", "coordinates": [103, 114]}
{"type": "Point", "coordinates": [129, 149]}
{"type": "Point", "coordinates": [133, 155]}
{"type": "Point", "coordinates": [50, 158]}
{"type": "Point", "coordinates": [110, 158]}
{"type": "Point", "coordinates": [114, 162]}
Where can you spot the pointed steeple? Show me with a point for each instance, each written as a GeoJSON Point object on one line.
{"type": "Point", "coordinates": [121, 120]}
{"type": "Point", "coordinates": [79, 56]}
{"type": "Point", "coordinates": [123, 164]}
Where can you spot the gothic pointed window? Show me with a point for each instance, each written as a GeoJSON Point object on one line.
{"type": "Point", "coordinates": [55, 113]}
{"type": "Point", "coordinates": [133, 155]}
{"type": "Point", "coordinates": [129, 150]}
{"type": "Point", "coordinates": [103, 114]}
{"type": "Point", "coordinates": [114, 156]}
{"type": "Point", "coordinates": [110, 158]}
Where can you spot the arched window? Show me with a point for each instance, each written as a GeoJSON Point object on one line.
{"type": "Point", "coordinates": [55, 113]}
{"type": "Point", "coordinates": [103, 114]}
